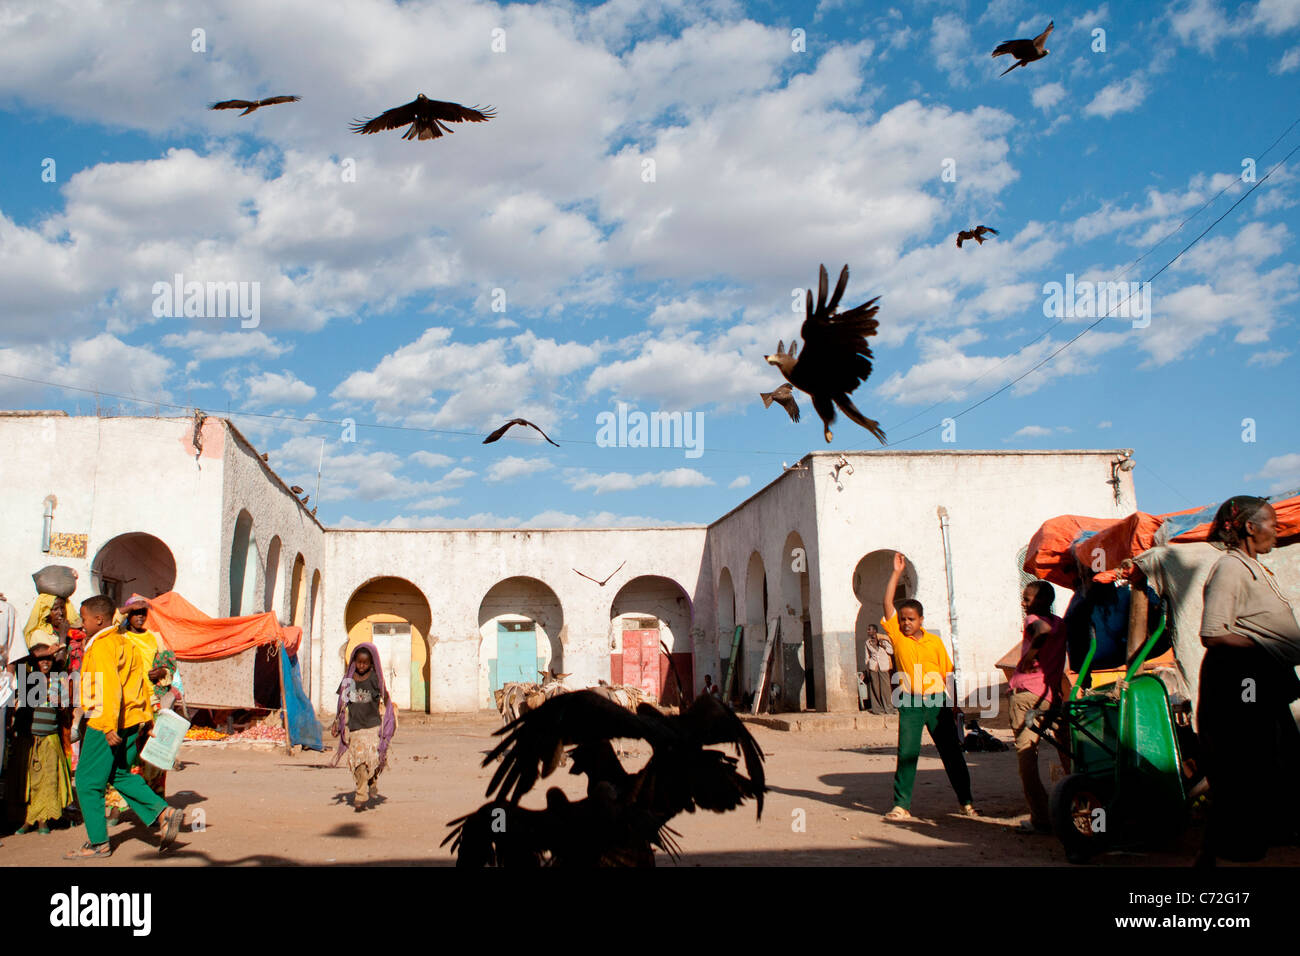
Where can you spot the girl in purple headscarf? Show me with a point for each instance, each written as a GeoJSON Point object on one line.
{"type": "Point", "coordinates": [363, 734]}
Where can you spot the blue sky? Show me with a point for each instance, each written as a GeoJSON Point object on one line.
{"type": "Point", "coordinates": [782, 136]}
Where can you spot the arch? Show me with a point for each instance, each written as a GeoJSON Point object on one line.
{"type": "Point", "coordinates": [512, 607]}
{"type": "Point", "coordinates": [243, 555]}
{"type": "Point", "coordinates": [795, 668]}
{"type": "Point", "coordinates": [271, 598]}
{"type": "Point", "coordinates": [391, 611]}
{"type": "Point", "coordinates": [649, 610]}
{"type": "Point", "coordinates": [311, 633]}
{"type": "Point", "coordinates": [756, 601]}
{"type": "Point", "coordinates": [134, 562]}
{"type": "Point", "coordinates": [298, 592]}
{"type": "Point", "coordinates": [869, 579]}
{"type": "Point", "coordinates": [726, 615]}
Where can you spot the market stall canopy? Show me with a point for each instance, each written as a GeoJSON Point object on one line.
{"type": "Point", "coordinates": [195, 636]}
{"type": "Point", "coordinates": [1064, 544]}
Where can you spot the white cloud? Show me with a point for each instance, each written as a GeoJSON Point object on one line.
{"type": "Point", "coordinates": [512, 467]}
{"type": "Point", "coordinates": [1032, 431]}
{"type": "Point", "coordinates": [1290, 61]}
{"type": "Point", "coordinates": [741, 481]}
{"type": "Point", "coordinates": [1047, 95]}
{"type": "Point", "coordinates": [272, 388]}
{"type": "Point", "coordinates": [1105, 424]}
{"type": "Point", "coordinates": [582, 480]}
{"type": "Point", "coordinates": [431, 459]}
{"type": "Point", "coordinates": [1119, 97]}
{"type": "Point", "coordinates": [226, 345]}
{"type": "Point", "coordinates": [1282, 470]}
{"type": "Point", "coordinates": [1269, 358]}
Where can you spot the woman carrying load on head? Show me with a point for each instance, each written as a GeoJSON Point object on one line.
{"type": "Point", "coordinates": [1248, 681]}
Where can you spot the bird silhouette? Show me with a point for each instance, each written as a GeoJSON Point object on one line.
{"type": "Point", "coordinates": [783, 395]}
{"type": "Point", "coordinates": [249, 106]}
{"type": "Point", "coordinates": [977, 234]}
{"type": "Point", "coordinates": [427, 118]}
{"type": "Point", "coordinates": [1025, 51]}
{"type": "Point", "coordinates": [836, 358]}
{"type": "Point", "coordinates": [601, 583]}
{"type": "Point", "coordinates": [516, 421]}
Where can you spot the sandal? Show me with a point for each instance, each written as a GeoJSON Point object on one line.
{"type": "Point", "coordinates": [90, 852]}
{"type": "Point", "coordinates": [968, 810]}
{"type": "Point", "coordinates": [898, 813]}
{"type": "Point", "coordinates": [170, 826]}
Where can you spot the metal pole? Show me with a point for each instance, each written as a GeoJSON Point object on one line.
{"type": "Point", "coordinates": [952, 606]}
{"type": "Point", "coordinates": [319, 465]}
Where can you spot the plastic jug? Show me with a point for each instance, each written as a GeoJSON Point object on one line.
{"type": "Point", "coordinates": [169, 729]}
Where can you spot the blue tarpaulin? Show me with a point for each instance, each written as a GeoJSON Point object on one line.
{"type": "Point", "coordinates": [304, 729]}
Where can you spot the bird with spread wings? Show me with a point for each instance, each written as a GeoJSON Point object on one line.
{"type": "Point", "coordinates": [836, 358]}
{"type": "Point", "coordinates": [427, 118]}
{"type": "Point", "coordinates": [249, 106]}
{"type": "Point", "coordinates": [496, 435]}
{"type": "Point", "coordinates": [978, 234]}
{"type": "Point", "coordinates": [1025, 51]}
{"type": "Point", "coordinates": [628, 812]}
{"type": "Point", "coordinates": [783, 395]}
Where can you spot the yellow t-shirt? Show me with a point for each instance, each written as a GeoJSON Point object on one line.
{"type": "Point", "coordinates": [114, 685]}
{"type": "Point", "coordinates": [922, 662]}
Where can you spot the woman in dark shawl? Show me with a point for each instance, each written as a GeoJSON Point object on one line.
{"type": "Point", "coordinates": [364, 734]}
{"type": "Point", "coordinates": [1248, 738]}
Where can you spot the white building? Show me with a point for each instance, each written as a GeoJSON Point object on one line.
{"type": "Point", "coordinates": [149, 505]}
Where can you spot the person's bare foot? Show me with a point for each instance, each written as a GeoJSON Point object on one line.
{"type": "Point", "coordinates": [898, 814]}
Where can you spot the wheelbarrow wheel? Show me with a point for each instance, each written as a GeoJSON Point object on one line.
{"type": "Point", "coordinates": [1079, 817]}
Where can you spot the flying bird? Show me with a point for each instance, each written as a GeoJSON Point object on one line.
{"type": "Point", "coordinates": [601, 583]}
{"type": "Point", "coordinates": [977, 234]}
{"type": "Point", "coordinates": [516, 421]}
{"type": "Point", "coordinates": [1025, 51]}
{"type": "Point", "coordinates": [427, 118]}
{"type": "Point", "coordinates": [249, 105]}
{"type": "Point", "coordinates": [784, 396]}
{"type": "Point", "coordinates": [625, 814]}
{"type": "Point", "coordinates": [836, 358]}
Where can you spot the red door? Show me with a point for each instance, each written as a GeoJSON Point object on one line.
{"type": "Point", "coordinates": [641, 661]}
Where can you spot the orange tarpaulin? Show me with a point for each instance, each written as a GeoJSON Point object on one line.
{"type": "Point", "coordinates": [195, 636]}
{"type": "Point", "coordinates": [1055, 554]}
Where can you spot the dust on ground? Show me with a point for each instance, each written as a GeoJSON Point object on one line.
{"type": "Point", "coordinates": [270, 807]}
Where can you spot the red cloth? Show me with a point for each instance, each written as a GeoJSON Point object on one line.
{"type": "Point", "coordinates": [1049, 556]}
{"type": "Point", "coordinates": [195, 636]}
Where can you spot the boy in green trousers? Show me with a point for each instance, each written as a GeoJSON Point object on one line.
{"type": "Point", "coordinates": [115, 698]}
{"type": "Point", "coordinates": [923, 668]}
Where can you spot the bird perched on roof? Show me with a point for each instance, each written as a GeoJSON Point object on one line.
{"type": "Point", "coordinates": [836, 358]}
{"type": "Point", "coordinates": [627, 814]}
{"type": "Point", "coordinates": [516, 421]}
{"type": "Point", "coordinates": [249, 105]}
{"type": "Point", "coordinates": [977, 234]}
{"type": "Point", "coordinates": [295, 489]}
{"type": "Point", "coordinates": [1025, 51]}
{"type": "Point", "coordinates": [427, 118]}
{"type": "Point", "coordinates": [783, 395]}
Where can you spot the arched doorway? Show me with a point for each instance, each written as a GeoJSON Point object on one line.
{"type": "Point", "coordinates": [755, 625]}
{"type": "Point", "coordinates": [869, 579]}
{"type": "Point", "coordinates": [298, 592]}
{"type": "Point", "coordinates": [310, 634]}
{"type": "Point", "coordinates": [394, 614]}
{"type": "Point", "coordinates": [244, 562]}
{"type": "Point", "coordinates": [521, 632]}
{"type": "Point", "coordinates": [796, 667]}
{"type": "Point", "coordinates": [646, 612]}
{"type": "Point", "coordinates": [133, 563]}
{"type": "Point", "coordinates": [726, 624]}
{"type": "Point", "coordinates": [271, 598]}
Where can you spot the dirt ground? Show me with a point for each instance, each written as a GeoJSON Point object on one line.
{"type": "Point", "coordinates": [268, 807]}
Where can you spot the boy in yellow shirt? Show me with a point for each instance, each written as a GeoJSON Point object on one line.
{"type": "Point", "coordinates": [115, 698]}
{"type": "Point", "coordinates": [923, 666]}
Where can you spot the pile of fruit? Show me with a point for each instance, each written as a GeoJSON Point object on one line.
{"type": "Point", "coordinates": [273, 732]}
{"type": "Point", "coordinates": [204, 733]}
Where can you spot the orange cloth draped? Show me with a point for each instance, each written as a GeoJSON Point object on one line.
{"type": "Point", "coordinates": [195, 636]}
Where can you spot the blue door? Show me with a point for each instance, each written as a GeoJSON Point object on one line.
{"type": "Point", "coordinates": [516, 653]}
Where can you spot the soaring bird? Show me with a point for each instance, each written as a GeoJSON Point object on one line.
{"type": "Point", "coordinates": [681, 775]}
{"type": "Point", "coordinates": [249, 105]}
{"type": "Point", "coordinates": [427, 118]}
{"type": "Point", "coordinates": [1025, 51]}
{"type": "Point", "coordinates": [516, 421]}
{"type": "Point", "coordinates": [783, 395]}
{"type": "Point", "coordinates": [601, 583]}
{"type": "Point", "coordinates": [836, 358]}
{"type": "Point", "coordinates": [977, 234]}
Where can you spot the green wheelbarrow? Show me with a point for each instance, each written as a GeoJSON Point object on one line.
{"type": "Point", "coordinates": [1127, 784]}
